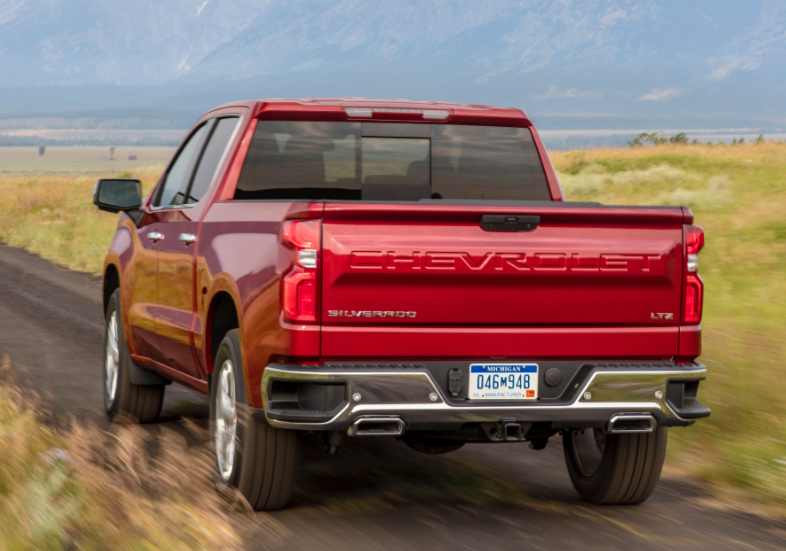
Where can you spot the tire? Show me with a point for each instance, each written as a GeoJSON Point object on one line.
{"type": "Point", "coordinates": [257, 459]}
{"type": "Point", "coordinates": [123, 400]}
{"type": "Point", "coordinates": [614, 469]}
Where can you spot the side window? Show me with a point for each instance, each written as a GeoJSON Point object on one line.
{"type": "Point", "coordinates": [211, 158]}
{"type": "Point", "coordinates": [173, 191]}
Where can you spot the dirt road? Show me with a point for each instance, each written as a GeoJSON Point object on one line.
{"type": "Point", "coordinates": [376, 494]}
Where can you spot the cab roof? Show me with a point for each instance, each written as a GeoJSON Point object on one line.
{"type": "Point", "coordinates": [384, 110]}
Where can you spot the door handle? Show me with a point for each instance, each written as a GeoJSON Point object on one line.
{"type": "Point", "coordinates": [187, 238]}
{"type": "Point", "coordinates": [155, 236]}
{"type": "Point", "coordinates": [505, 222]}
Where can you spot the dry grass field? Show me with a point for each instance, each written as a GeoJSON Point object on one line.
{"type": "Point", "coordinates": [71, 161]}
{"type": "Point", "coordinates": [738, 193]}
{"type": "Point", "coordinates": [52, 214]}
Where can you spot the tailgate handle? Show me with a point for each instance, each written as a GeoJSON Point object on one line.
{"type": "Point", "coordinates": [509, 222]}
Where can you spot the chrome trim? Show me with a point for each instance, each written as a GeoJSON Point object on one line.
{"type": "Point", "coordinates": [621, 386]}
{"type": "Point", "coordinates": [406, 394]}
{"type": "Point", "coordinates": [612, 429]}
{"type": "Point", "coordinates": [155, 236]}
{"type": "Point", "coordinates": [172, 207]}
{"type": "Point", "coordinates": [187, 238]}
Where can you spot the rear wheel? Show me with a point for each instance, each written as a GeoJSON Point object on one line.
{"type": "Point", "coordinates": [124, 400]}
{"type": "Point", "coordinates": [252, 456]}
{"type": "Point", "coordinates": [614, 468]}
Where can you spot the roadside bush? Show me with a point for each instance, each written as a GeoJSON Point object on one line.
{"type": "Point", "coordinates": [83, 488]}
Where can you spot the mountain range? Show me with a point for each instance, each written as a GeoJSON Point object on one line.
{"type": "Point", "coordinates": [569, 63]}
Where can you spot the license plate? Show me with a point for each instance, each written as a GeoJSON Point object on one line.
{"type": "Point", "coordinates": [503, 381]}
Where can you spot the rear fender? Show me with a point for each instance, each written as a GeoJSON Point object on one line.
{"type": "Point", "coordinates": [220, 283]}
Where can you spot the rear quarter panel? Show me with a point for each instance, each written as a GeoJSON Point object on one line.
{"type": "Point", "coordinates": [240, 254]}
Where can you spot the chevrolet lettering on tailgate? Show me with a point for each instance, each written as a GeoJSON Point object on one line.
{"type": "Point", "coordinates": [508, 262]}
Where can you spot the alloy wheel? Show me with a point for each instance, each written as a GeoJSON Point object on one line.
{"type": "Point", "coordinates": [226, 420]}
{"type": "Point", "coordinates": [112, 361]}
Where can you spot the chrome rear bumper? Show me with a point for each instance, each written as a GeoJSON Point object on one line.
{"type": "Point", "coordinates": [413, 396]}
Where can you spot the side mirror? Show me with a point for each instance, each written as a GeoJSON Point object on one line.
{"type": "Point", "coordinates": [117, 194]}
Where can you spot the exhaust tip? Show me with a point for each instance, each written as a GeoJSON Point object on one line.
{"type": "Point", "coordinates": [631, 423]}
{"type": "Point", "coordinates": [377, 426]}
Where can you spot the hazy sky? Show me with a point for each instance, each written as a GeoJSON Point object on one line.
{"type": "Point", "coordinates": [569, 62]}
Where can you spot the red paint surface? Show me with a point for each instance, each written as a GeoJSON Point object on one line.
{"type": "Point", "coordinates": [535, 343]}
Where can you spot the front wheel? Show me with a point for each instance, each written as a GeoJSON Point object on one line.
{"type": "Point", "coordinates": [122, 398]}
{"type": "Point", "coordinates": [614, 469]}
{"type": "Point", "coordinates": [252, 456]}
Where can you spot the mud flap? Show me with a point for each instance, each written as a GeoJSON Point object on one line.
{"type": "Point", "coordinates": [144, 377]}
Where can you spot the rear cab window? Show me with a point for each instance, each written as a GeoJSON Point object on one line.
{"type": "Point", "coordinates": [373, 161]}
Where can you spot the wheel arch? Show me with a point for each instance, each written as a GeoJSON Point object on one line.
{"type": "Point", "coordinates": [117, 259]}
{"type": "Point", "coordinates": [111, 282]}
{"type": "Point", "coordinates": [223, 316]}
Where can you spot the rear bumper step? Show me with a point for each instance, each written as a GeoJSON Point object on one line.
{"type": "Point", "coordinates": [373, 401]}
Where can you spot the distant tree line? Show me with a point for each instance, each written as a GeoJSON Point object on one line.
{"type": "Point", "coordinates": [760, 139]}
{"type": "Point", "coordinates": [657, 138]}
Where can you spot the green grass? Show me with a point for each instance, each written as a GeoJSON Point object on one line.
{"type": "Point", "coordinates": [738, 194]}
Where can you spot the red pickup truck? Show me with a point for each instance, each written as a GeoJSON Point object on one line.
{"type": "Point", "coordinates": [403, 269]}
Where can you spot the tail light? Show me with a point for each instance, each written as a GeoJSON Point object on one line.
{"type": "Point", "coordinates": [694, 286]}
{"type": "Point", "coordinates": [299, 286]}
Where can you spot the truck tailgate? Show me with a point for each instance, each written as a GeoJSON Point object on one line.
{"type": "Point", "coordinates": [434, 266]}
